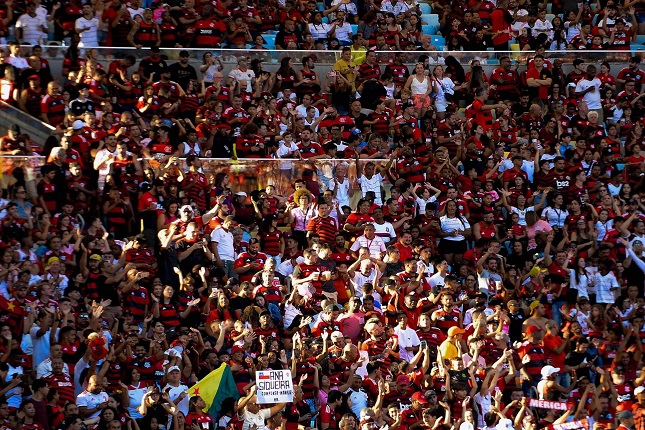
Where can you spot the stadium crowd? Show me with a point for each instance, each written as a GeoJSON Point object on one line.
{"type": "Point", "coordinates": [472, 260]}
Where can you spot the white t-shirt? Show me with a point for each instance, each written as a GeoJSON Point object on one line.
{"type": "Point", "coordinates": [407, 338]}
{"type": "Point", "coordinates": [342, 195]}
{"type": "Point", "coordinates": [89, 38]}
{"type": "Point", "coordinates": [372, 184]}
{"type": "Point", "coordinates": [174, 392]}
{"type": "Point", "coordinates": [385, 231]}
{"type": "Point", "coordinates": [248, 75]}
{"type": "Point", "coordinates": [376, 245]}
{"type": "Point", "coordinates": [225, 243]}
{"type": "Point", "coordinates": [32, 28]}
{"type": "Point", "coordinates": [91, 401]}
{"type": "Point", "coordinates": [592, 98]}
{"type": "Point", "coordinates": [319, 31]}
{"type": "Point", "coordinates": [343, 31]}
{"type": "Point", "coordinates": [450, 224]}
{"type": "Point", "coordinates": [258, 420]}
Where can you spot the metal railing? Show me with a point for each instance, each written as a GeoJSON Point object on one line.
{"type": "Point", "coordinates": [108, 53]}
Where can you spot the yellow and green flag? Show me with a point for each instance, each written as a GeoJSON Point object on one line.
{"type": "Point", "coordinates": [214, 388]}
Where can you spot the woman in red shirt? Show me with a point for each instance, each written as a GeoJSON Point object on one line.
{"type": "Point", "coordinates": [197, 416]}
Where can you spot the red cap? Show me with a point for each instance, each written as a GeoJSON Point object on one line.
{"type": "Point", "coordinates": [34, 78]}
{"type": "Point", "coordinates": [403, 379]}
{"type": "Point", "coordinates": [533, 329]}
{"type": "Point", "coordinates": [419, 397]}
{"type": "Point", "coordinates": [236, 349]}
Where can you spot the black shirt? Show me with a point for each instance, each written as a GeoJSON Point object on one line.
{"type": "Point", "coordinates": [182, 74]}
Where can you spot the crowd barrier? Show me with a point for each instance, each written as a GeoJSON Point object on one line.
{"type": "Point", "coordinates": [245, 175]}
{"type": "Point", "coordinates": [108, 53]}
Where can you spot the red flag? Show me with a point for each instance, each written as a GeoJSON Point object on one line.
{"type": "Point", "coordinates": [11, 306]}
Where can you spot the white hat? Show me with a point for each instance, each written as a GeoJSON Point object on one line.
{"type": "Point", "coordinates": [171, 368]}
{"type": "Point", "coordinates": [78, 124]}
{"type": "Point", "coordinates": [549, 370]}
{"type": "Point", "coordinates": [639, 390]}
{"type": "Point", "coordinates": [241, 194]}
{"type": "Point", "coordinates": [336, 334]}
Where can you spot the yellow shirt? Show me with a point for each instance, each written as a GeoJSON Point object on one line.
{"type": "Point", "coordinates": [347, 70]}
{"type": "Point", "coordinates": [358, 55]}
{"type": "Point", "coordinates": [448, 350]}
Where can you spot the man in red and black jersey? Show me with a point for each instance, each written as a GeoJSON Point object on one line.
{"type": "Point", "coordinates": [208, 31]}
{"type": "Point", "coordinates": [195, 183]}
{"type": "Point", "coordinates": [398, 70]}
{"type": "Point", "coordinates": [323, 225]}
{"type": "Point", "coordinates": [235, 115]}
{"type": "Point", "coordinates": [632, 73]}
{"type": "Point", "coordinates": [52, 106]}
{"type": "Point", "coordinates": [370, 68]}
{"type": "Point", "coordinates": [560, 178]}
{"type": "Point", "coordinates": [145, 33]}
{"type": "Point", "coordinates": [250, 262]}
{"type": "Point", "coordinates": [142, 256]}
{"type": "Point", "coordinates": [119, 22]}
{"type": "Point", "coordinates": [144, 364]}
{"type": "Point", "coordinates": [62, 382]}
{"type": "Point", "coordinates": [377, 344]}
{"type": "Point", "coordinates": [506, 80]}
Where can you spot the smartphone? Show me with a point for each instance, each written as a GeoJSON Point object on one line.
{"type": "Point", "coordinates": [423, 344]}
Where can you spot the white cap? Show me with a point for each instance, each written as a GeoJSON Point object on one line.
{"type": "Point", "coordinates": [639, 390]}
{"type": "Point", "coordinates": [336, 334]}
{"type": "Point", "coordinates": [549, 370]}
{"type": "Point", "coordinates": [171, 368]}
{"type": "Point", "coordinates": [241, 193]}
{"type": "Point", "coordinates": [78, 124]}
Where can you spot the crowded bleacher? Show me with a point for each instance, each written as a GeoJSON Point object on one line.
{"type": "Point", "coordinates": [429, 215]}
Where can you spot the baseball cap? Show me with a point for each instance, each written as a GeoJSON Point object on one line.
{"type": "Point", "coordinates": [34, 78]}
{"type": "Point", "coordinates": [236, 349]}
{"type": "Point", "coordinates": [618, 369]}
{"type": "Point", "coordinates": [403, 380]}
{"type": "Point", "coordinates": [549, 370]}
{"type": "Point", "coordinates": [172, 369]}
{"type": "Point", "coordinates": [241, 194]}
{"type": "Point", "coordinates": [454, 331]}
{"type": "Point", "coordinates": [419, 397]}
{"type": "Point", "coordinates": [78, 124]}
{"type": "Point", "coordinates": [15, 128]}
{"type": "Point", "coordinates": [534, 304]}
{"type": "Point", "coordinates": [639, 390]}
{"type": "Point", "coordinates": [96, 257]}
{"type": "Point", "coordinates": [532, 329]}
{"type": "Point", "coordinates": [337, 335]}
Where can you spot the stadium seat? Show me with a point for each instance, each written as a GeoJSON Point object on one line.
{"type": "Point", "coordinates": [270, 41]}
{"type": "Point", "coordinates": [549, 7]}
{"type": "Point", "coordinates": [640, 39]}
{"type": "Point", "coordinates": [428, 29]}
{"type": "Point", "coordinates": [549, 17]}
{"type": "Point", "coordinates": [425, 8]}
{"type": "Point", "coordinates": [321, 6]}
{"type": "Point", "coordinates": [430, 19]}
{"type": "Point", "coordinates": [354, 28]}
{"type": "Point", "coordinates": [438, 40]}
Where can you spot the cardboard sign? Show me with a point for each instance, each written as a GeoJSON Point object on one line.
{"type": "Point", "coordinates": [545, 404]}
{"type": "Point", "coordinates": [274, 386]}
